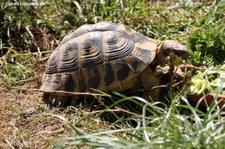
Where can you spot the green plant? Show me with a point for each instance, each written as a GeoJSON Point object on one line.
{"type": "Point", "coordinates": [207, 47]}
{"type": "Point", "coordinates": [16, 67]}
{"type": "Point", "coordinates": [211, 80]}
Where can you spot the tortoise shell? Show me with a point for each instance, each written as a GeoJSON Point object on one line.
{"type": "Point", "coordinates": [104, 56]}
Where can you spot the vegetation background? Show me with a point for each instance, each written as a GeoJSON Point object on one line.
{"type": "Point", "coordinates": [29, 32]}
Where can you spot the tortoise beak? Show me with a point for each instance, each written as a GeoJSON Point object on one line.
{"type": "Point", "coordinates": [182, 54]}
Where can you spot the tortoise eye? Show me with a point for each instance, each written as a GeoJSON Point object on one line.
{"type": "Point", "coordinates": [182, 54]}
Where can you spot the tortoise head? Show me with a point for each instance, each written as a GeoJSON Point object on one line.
{"type": "Point", "coordinates": [176, 47]}
{"type": "Point", "coordinates": [170, 51]}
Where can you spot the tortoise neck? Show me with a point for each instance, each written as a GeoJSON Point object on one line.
{"type": "Point", "coordinates": [160, 59]}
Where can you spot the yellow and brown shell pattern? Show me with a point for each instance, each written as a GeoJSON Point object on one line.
{"type": "Point", "coordinates": [104, 56]}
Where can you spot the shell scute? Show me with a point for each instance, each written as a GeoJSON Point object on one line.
{"type": "Point", "coordinates": [90, 52]}
{"type": "Point", "coordinates": [117, 46]}
{"type": "Point", "coordinates": [124, 70]}
{"type": "Point", "coordinates": [103, 26]}
{"type": "Point", "coordinates": [56, 82]}
{"type": "Point", "coordinates": [68, 61]}
{"type": "Point", "coordinates": [109, 74]}
{"type": "Point", "coordinates": [145, 51]}
{"type": "Point", "coordinates": [52, 63]}
{"type": "Point", "coordinates": [137, 37]}
{"type": "Point", "coordinates": [81, 80]}
{"type": "Point", "coordinates": [94, 79]}
{"type": "Point", "coordinates": [80, 31]}
{"type": "Point", "coordinates": [134, 64]}
{"type": "Point", "coordinates": [69, 83]}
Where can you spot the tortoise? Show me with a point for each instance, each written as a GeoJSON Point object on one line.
{"type": "Point", "coordinates": [108, 57]}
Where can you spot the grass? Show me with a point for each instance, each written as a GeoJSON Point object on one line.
{"type": "Point", "coordinates": [30, 33]}
{"type": "Point", "coordinates": [167, 128]}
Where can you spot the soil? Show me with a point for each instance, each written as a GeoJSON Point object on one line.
{"type": "Point", "coordinates": [23, 124]}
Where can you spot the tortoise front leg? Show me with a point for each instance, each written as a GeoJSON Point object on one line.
{"type": "Point", "coordinates": [150, 82]}
{"type": "Point", "coordinates": [56, 101]}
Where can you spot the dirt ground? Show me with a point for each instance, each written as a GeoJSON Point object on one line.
{"type": "Point", "coordinates": [23, 124]}
{"type": "Point", "coordinates": [27, 122]}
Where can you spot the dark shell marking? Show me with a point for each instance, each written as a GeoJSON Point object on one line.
{"type": "Point", "coordinates": [109, 74]}
{"type": "Point", "coordinates": [102, 56]}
